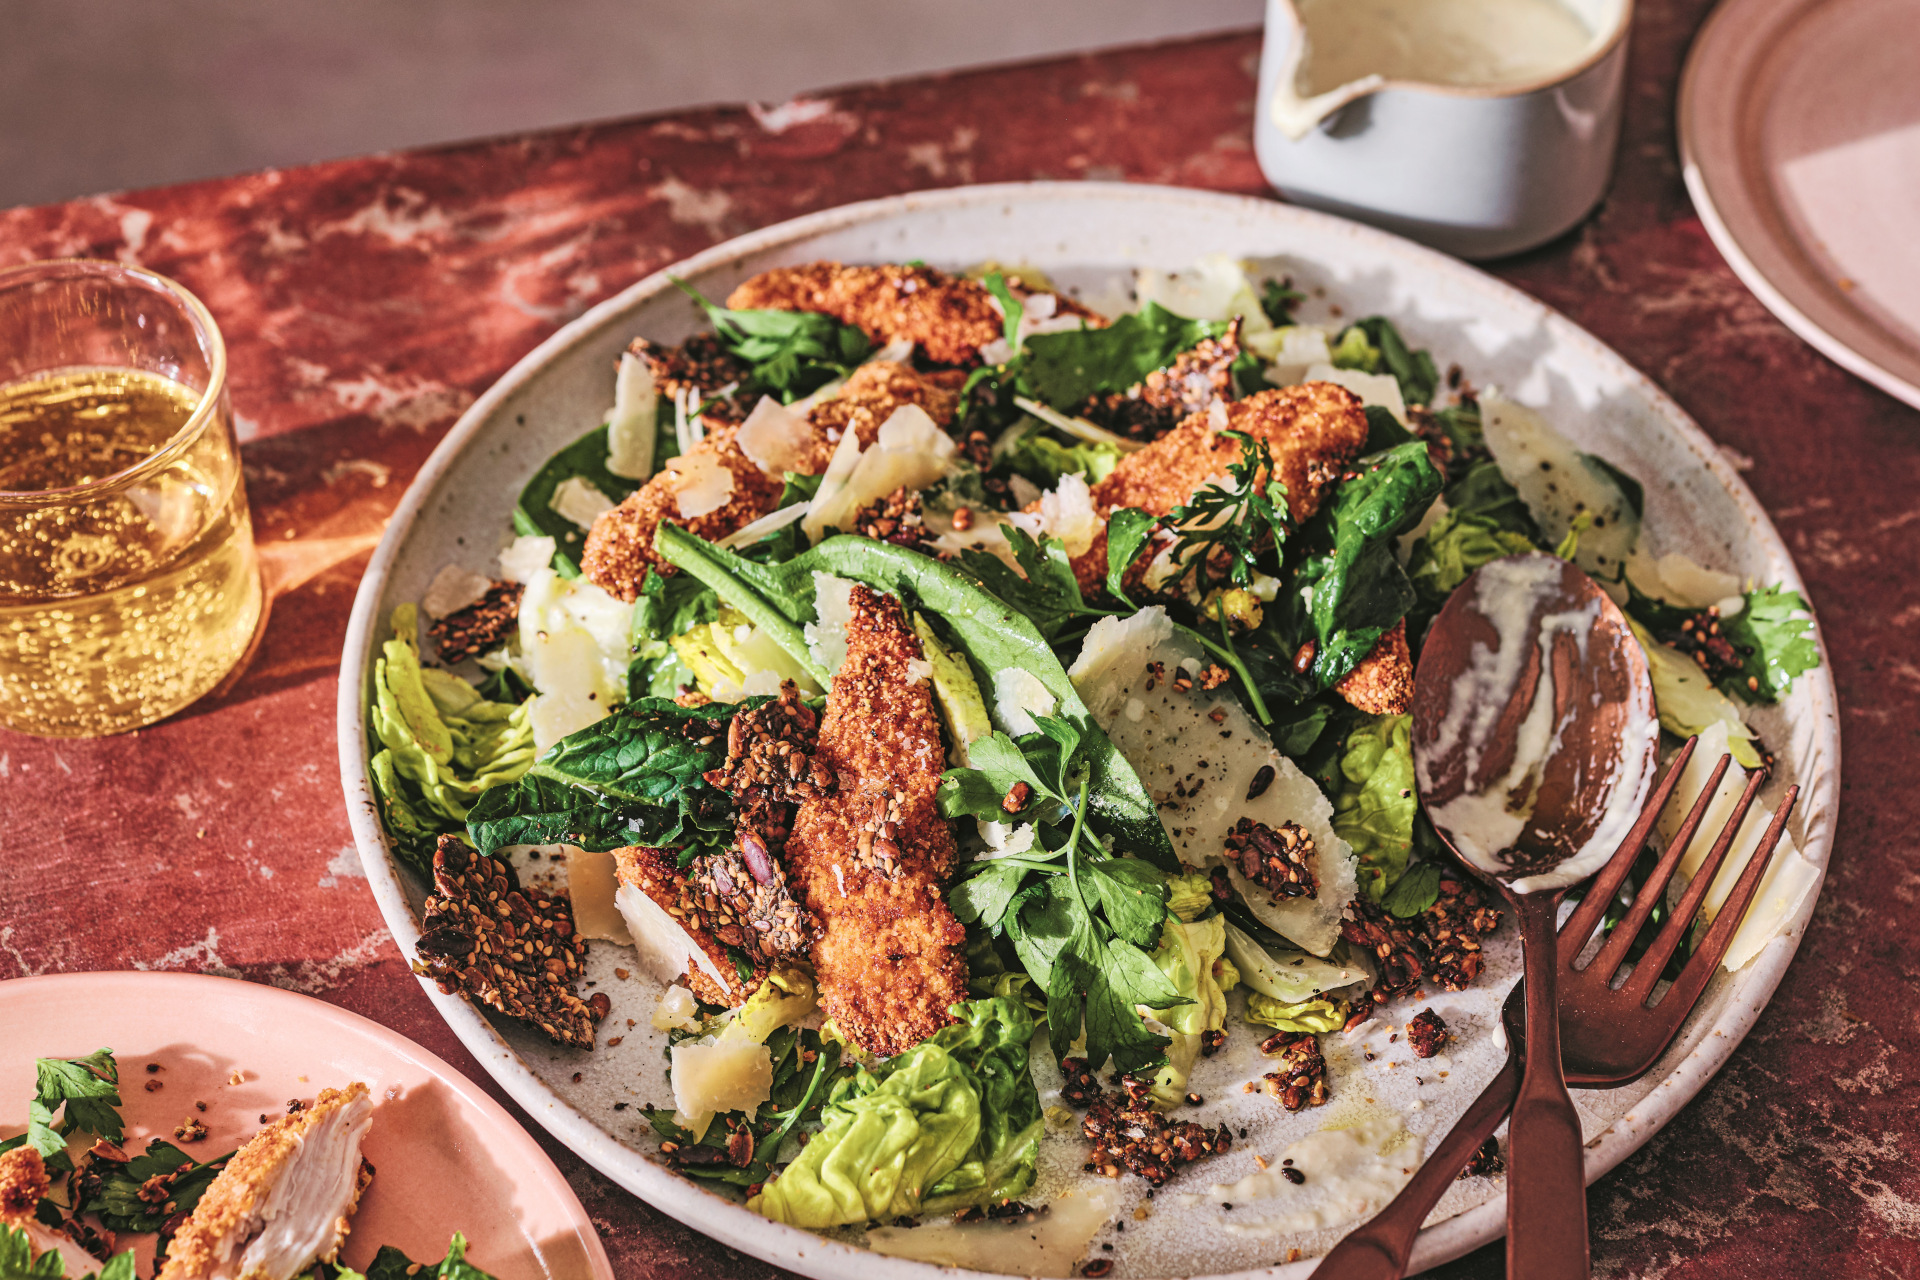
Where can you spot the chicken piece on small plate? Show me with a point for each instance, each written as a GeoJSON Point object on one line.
{"type": "Point", "coordinates": [23, 1183]}
{"type": "Point", "coordinates": [285, 1200]}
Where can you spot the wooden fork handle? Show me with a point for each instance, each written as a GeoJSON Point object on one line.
{"type": "Point", "coordinates": [1546, 1180]}
{"type": "Point", "coordinates": [1379, 1249]}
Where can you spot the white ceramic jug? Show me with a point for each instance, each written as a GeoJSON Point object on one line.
{"type": "Point", "coordinates": [1475, 170]}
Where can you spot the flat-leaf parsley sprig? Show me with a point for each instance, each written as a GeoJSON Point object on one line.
{"type": "Point", "coordinates": [1081, 920]}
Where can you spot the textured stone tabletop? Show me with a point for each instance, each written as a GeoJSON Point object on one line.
{"type": "Point", "coordinates": [366, 302]}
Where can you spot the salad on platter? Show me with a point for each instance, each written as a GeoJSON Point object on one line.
{"type": "Point", "coordinates": [985, 720]}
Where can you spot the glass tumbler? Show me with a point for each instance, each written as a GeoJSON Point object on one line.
{"type": "Point", "coordinates": [128, 580]}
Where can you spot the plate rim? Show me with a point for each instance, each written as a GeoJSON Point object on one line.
{"type": "Point", "coordinates": [733, 1224]}
{"type": "Point", "coordinates": [1725, 55]}
{"type": "Point", "coordinates": [196, 990]}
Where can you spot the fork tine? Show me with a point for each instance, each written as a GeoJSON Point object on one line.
{"type": "Point", "coordinates": [1647, 970]}
{"type": "Point", "coordinates": [1700, 966]}
{"type": "Point", "coordinates": [1607, 963]}
{"type": "Point", "coordinates": [1586, 917]}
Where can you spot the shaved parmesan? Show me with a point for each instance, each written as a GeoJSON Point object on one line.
{"type": "Point", "coordinates": [1067, 513]}
{"type": "Point", "coordinates": [1214, 288]}
{"type": "Point", "coordinates": [633, 426]}
{"type": "Point", "coordinates": [574, 651]}
{"type": "Point", "coordinates": [524, 557]}
{"type": "Point", "coordinates": [1299, 347]}
{"type": "Point", "coordinates": [775, 438]}
{"type": "Point", "coordinates": [1051, 1244]}
{"type": "Point", "coordinates": [772, 522]}
{"type": "Point", "coordinates": [577, 501]}
{"type": "Point", "coordinates": [678, 1010]}
{"type": "Point", "coordinates": [666, 948]}
{"type": "Point", "coordinates": [1558, 482]}
{"type": "Point", "coordinates": [1381, 389]}
{"type": "Point", "coordinates": [1788, 879]}
{"type": "Point", "coordinates": [910, 452]}
{"type": "Point", "coordinates": [833, 607]}
{"type": "Point", "coordinates": [702, 484]}
{"type": "Point", "coordinates": [1018, 696]}
{"type": "Point", "coordinates": [452, 590]}
{"type": "Point", "coordinates": [591, 886]}
{"type": "Point", "coordinates": [723, 1075]}
{"type": "Point", "coordinates": [1200, 771]}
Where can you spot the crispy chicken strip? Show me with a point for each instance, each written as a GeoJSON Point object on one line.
{"type": "Point", "coordinates": [873, 856]}
{"type": "Point", "coordinates": [1383, 682]}
{"type": "Point", "coordinates": [1311, 431]}
{"type": "Point", "coordinates": [23, 1182]}
{"type": "Point", "coordinates": [619, 548]}
{"type": "Point", "coordinates": [948, 317]}
{"type": "Point", "coordinates": [284, 1200]}
{"type": "Point", "coordinates": [672, 929]}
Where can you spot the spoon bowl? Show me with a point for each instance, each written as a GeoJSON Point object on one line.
{"type": "Point", "coordinates": [1534, 741]}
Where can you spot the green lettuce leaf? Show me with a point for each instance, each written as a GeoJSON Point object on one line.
{"type": "Point", "coordinates": [1042, 459]}
{"type": "Point", "coordinates": [916, 1129]}
{"type": "Point", "coordinates": [1315, 1016]}
{"type": "Point", "coordinates": [1375, 807]}
{"type": "Point", "coordinates": [1186, 955]}
{"type": "Point", "coordinates": [1774, 636]}
{"type": "Point", "coordinates": [442, 745]}
{"type": "Point", "coordinates": [1485, 520]}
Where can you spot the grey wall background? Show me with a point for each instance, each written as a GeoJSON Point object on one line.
{"type": "Point", "coordinates": [99, 95]}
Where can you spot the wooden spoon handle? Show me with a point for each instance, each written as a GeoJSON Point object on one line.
{"type": "Point", "coordinates": [1379, 1249]}
{"type": "Point", "coordinates": [1546, 1183]}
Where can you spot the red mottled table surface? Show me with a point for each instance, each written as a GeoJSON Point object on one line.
{"type": "Point", "coordinates": [366, 302]}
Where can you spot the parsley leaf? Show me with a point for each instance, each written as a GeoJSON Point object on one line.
{"type": "Point", "coordinates": [88, 1087]}
{"type": "Point", "coordinates": [391, 1264]}
{"type": "Point", "coordinates": [1128, 529]}
{"type": "Point", "coordinates": [1222, 529]}
{"type": "Point", "coordinates": [1774, 644]}
{"type": "Point", "coordinates": [1048, 593]}
{"type": "Point", "coordinates": [790, 353]}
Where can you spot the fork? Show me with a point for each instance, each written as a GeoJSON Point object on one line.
{"type": "Point", "coordinates": [1608, 1035]}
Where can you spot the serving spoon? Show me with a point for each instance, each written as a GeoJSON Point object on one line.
{"type": "Point", "coordinates": [1534, 741]}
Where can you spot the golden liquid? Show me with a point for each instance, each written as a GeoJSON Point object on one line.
{"type": "Point", "coordinates": [119, 610]}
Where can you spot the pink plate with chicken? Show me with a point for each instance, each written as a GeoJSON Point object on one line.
{"type": "Point", "coordinates": [447, 1158]}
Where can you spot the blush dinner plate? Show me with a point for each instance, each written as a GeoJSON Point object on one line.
{"type": "Point", "coordinates": [447, 1157]}
{"type": "Point", "coordinates": [1799, 130]}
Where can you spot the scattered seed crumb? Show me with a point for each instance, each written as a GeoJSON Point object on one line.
{"type": "Point", "coordinates": [152, 1067]}
{"type": "Point", "coordinates": [199, 1106]}
{"type": "Point", "coordinates": [1294, 1176]}
{"type": "Point", "coordinates": [154, 1086]}
{"type": "Point", "coordinates": [631, 1024]}
{"type": "Point", "coordinates": [619, 1106]}
{"type": "Point", "coordinates": [620, 973]}
{"type": "Point", "coordinates": [190, 1130]}
{"type": "Point", "coordinates": [263, 1118]}
{"type": "Point", "coordinates": [1293, 1255]}
{"type": "Point", "coordinates": [1261, 1161]}
{"type": "Point", "coordinates": [576, 1077]}
{"type": "Point", "coordinates": [614, 1040]}
{"type": "Point", "coordinates": [1140, 1214]}
{"type": "Point", "coordinates": [236, 1078]}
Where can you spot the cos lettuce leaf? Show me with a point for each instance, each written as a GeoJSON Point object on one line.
{"type": "Point", "coordinates": [1485, 520]}
{"type": "Point", "coordinates": [442, 745]}
{"type": "Point", "coordinates": [1315, 1016]}
{"type": "Point", "coordinates": [1042, 459]}
{"type": "Point", "coordinates": [953, 1121]}
{"type": "Point", "coordinates": [1375, 806]}
{"type": "Point", "coordinates": [1186, 955]}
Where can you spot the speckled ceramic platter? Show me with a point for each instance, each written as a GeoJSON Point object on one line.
{"type": "Point", "coordinates": [1090, 238]}
{"type": "Point", "coordinates": [244, 1048]}
{"type": "Point", "coordinates": [1800, 139]}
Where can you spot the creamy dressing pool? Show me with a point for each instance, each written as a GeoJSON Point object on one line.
{"type": "Point", "coordinates": [1457, 42]}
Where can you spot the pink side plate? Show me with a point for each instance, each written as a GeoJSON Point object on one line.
{"type": "Point", "coordinates": [1799, 127]}
{"type": "Point", "coordinates": [448, 1158]}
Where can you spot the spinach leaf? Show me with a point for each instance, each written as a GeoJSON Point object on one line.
{"type": "Point", "coordinates": [1413, 370]}
{"type": "Point", "coordinates": [1068, 368]}
{"type": "Point", "coordinates": [631, 778]}
{"type": "Point", "coordinates": [665, 607]}
{"type": "Point", "coordinates": [1415, 891]}
{"type": "Point", "coordinates": [533, 513]}
{"type": "Point", "coordinates": [789, 353]}
{"type": "Point", "coordinates": [119, 1204]}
